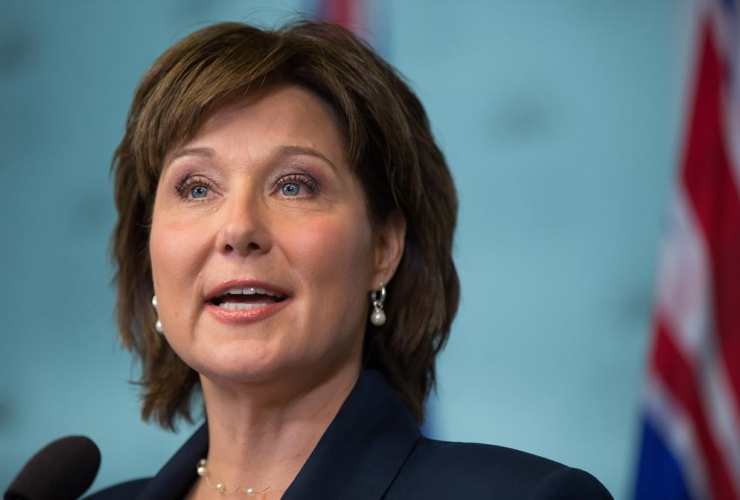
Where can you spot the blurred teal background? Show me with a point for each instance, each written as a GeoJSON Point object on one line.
{"type": "Point", "coordinates": [561, 122]}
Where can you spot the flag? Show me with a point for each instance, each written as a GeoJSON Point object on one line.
{"type": "Point", "coordinates": [691, 428]}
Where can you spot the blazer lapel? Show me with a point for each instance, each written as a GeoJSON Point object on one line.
{"type": "Point", "coordinates": [363, 449]}
{"type": "Point", "coordinates": [357, 458]}
{"type": "Point", "coordinates": [174, 480]}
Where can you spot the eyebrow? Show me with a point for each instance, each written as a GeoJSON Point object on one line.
{"type": "Point", "coordinates": [282, 152]}
{"type": "Point", "coordinates": [203, 152]}
{"type": "Point", "coordinates": [286, 151]}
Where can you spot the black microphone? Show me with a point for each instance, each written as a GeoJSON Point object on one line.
{"type": "Point", "coordinates": [63, 470]}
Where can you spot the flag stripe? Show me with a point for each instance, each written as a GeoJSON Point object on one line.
{"type": "Point", "coordinates": [677, 374]}
{"type": "Point", "coordinates": [711, 187]}
{"type": "Point", "coordinates": [683, 302]}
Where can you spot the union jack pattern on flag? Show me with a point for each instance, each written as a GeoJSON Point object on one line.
{"type": "Point", "coordinates": [691, 436]}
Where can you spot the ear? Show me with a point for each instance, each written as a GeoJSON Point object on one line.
{"type": "Point", "coordinates": [389, 242]}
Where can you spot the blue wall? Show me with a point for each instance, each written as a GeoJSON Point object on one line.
{"type": "Point", "coordinates": [561, 122]}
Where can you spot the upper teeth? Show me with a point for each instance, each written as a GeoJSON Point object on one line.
{"type": "Point", "coordinates": [251, 290]}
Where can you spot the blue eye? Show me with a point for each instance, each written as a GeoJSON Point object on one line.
{"type": "Point", "coordinates": [199, 192]}
{"type": "Point", "coordinates": [291, 189]}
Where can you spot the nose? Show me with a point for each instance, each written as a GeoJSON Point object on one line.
{"type": "Point", "coordinates": [244, 230]}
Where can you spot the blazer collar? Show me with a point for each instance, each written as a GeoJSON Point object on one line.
{"type": "Point", "coordinates": [358, 456]}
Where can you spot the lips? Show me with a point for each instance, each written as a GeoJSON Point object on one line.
{"type": "Point", "coordinates": [251, 297]}
{"type": "Point", "coordinates": [242, 301]}
{"type": "Point", "coordinates": [245, 291]}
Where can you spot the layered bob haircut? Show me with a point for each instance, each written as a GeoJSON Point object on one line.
{"type": "Point", "coordinates": [390, 149]}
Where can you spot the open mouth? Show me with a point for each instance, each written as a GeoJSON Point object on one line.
{"type": "Point", "coordinates": [244, 298]}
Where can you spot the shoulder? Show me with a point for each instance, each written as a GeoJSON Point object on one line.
{"type": "Point", "coordinates": [123, 491]}
{"type": "Point", "coordinates": [465, 470]}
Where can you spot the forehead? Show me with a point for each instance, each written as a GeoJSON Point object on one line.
{"type": "Point", "coordinates": [269, 118]}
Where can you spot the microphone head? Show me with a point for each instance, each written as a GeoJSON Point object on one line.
{"type": "Point", "coordinates": [63, 470]}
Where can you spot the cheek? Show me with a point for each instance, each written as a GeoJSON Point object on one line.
{"type": "Point", "coordinates": [176, 254]}
{"type": "Point", "coordinates": [334, 252]}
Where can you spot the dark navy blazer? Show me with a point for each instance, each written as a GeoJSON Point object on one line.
{"type": "Point", "coordinates": [373, 450]}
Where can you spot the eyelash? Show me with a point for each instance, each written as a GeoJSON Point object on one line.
{"type": "Point", "coordinates": [191, 181]}
{"type": "Point", "coordinates": [304, 180]}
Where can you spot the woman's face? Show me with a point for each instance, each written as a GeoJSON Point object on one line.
{"type": "Point", "coordinates": [261, 248]}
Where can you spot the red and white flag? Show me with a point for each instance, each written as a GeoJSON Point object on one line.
{"type": "Point", "coordinates": [691, 434]}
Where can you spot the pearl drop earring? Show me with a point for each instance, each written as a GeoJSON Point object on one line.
{"type": "Point", "coordinates": [377, 317]}
{"type": "Point", "coordinates": [158, 324]}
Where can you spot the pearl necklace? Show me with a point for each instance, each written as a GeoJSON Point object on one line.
{"type": "Point", "coordinates": [203, 472]}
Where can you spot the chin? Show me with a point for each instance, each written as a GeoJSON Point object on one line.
{"type": "Point", "coordinates": [244, 364]}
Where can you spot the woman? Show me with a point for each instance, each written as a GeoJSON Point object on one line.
{"type": "Point", "coordinates": [284, 249]}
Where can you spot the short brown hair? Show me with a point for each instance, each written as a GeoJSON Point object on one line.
{"type": "Point", "coordinates": [390, 148]}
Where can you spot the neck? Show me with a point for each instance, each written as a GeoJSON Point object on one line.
{"type": "Point", "coordinates": [260, 437]}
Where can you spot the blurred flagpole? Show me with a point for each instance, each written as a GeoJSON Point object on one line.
{"type": "Point", "coordinates": [366, 19]}
{"type": "Point", "coordinates": [691, 430]}
{"type": "Point", "coordinates": [349, 14]}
